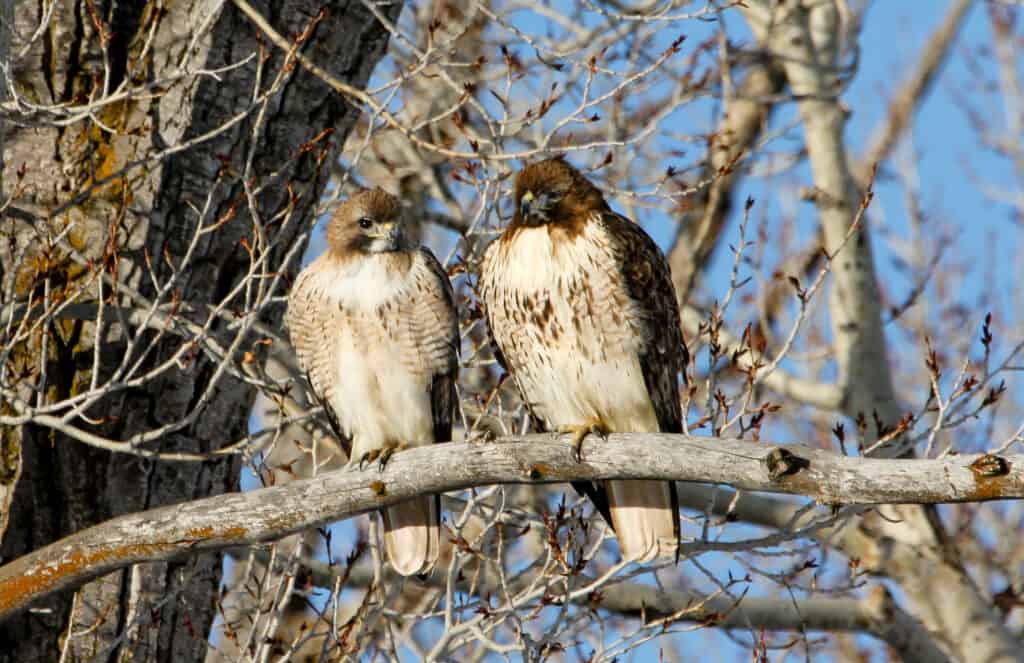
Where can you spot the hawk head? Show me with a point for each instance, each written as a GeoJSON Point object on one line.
{"type": "Point", "coordinates": [552, 191]}
{"type": "Point", "coordinates": [368, 222]}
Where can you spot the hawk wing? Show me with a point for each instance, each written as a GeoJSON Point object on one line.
{"type": "Point", "coordinates": [332, 417]}
{"type": "Point", "coordinates": [437, 318]}
{"type": "Point", "coordinates": [648, 282]}
{"type": "Point", "coordinates": [645, 276]}
{"type": "Point", "coordinates": [311, 325]}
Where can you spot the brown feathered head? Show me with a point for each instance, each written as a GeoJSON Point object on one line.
{"type": "Point", "coordinates": [368, 222]}
{"type": "Point", "coordinates": [552, 191]}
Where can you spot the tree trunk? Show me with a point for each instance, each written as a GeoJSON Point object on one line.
{"type": "Point", "coordinates": [103, 196]}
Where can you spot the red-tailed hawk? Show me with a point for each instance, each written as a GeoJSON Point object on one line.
{"type": "Point", "coordinates": [581, 306]}
{"type": "Point", "coordinates": [374, 324]}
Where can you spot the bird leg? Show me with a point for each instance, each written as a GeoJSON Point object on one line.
{"type": "Point", "coordinates": [579, 432]}
{"type": "Point", "coordinates": [381, 456]}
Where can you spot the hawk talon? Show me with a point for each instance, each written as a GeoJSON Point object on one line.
{"type": "Point", "coordinates": [368, 458]}
{"type": "Point", "coordinates": [580, 433]}
{"type": "Point", "coordinates": [385, 456]}
{"type": "Point", "coordinates": [577, 444]}
{"type": "Point", "coordinates": [387, 452]}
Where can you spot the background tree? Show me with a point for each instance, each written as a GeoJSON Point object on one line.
{"type": "Point", "coordinates": [162, 165]}
{"type": "Point", "coordinates": [846, 284]}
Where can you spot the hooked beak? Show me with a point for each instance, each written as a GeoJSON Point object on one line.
{"type": "Point", "coordinates": [391, 233]}
{"type": "Point", "coordinates": [534, 209]}
{"type": "Point", "coordinates": [525, 204]}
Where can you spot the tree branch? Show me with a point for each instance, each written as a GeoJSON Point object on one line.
{"type": "Point", "coordinates": [822, 395]}
{"type": "Point", "coordinates": [875, 614]}
{"type": "Point", "coordinates": [744, 117]}
{"type": "Point", "coordinates": [271, 513]}
{"type": "Point", "coordinates": [803, 36]}
{"type": "Point", "coordinates": [909, 98]}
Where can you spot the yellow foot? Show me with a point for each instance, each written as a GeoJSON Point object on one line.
{"type": "Point", "coordinates": [579, 432]}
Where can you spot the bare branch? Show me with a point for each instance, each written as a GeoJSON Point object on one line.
{"type": "Point", "coordinates": [804, 37]}
{"type": "Point", "coordinates": [165, 173]}
{"type": "Point", "coordinates": [811, 392]}
{"type": "Point", "coordinates": [744, 118]}
{"type": "Point", "coordinates": [271, 513]}
{"type": "Point", "coordinates": [909, 98]}
{"type": "Point", "coordinates": [876, 613]}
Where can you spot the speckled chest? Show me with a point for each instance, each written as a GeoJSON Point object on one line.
{"type": "Point", "coordinates": [375, 298]}
{"type": "Point", "coordinates": [548, 293]}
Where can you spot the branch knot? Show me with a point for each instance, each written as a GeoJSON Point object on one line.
{"type": "Point", "coordinates": [783, 462]}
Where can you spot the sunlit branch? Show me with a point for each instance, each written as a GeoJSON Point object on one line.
{"type": "Point", "coordinates": [270, 513]}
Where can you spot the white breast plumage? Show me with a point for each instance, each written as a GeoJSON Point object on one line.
{"type": "Point", "coordinates": [531, 262]}
{"type": "Point", "coordinates": [374, 368]}
{"type": "Point", "coordinates": [364, 284]}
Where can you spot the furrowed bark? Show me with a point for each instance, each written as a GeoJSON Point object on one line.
{"type": "Point", "coordinates": [10, 461]}
{"type": "Point", "coordinates": [107, 194]}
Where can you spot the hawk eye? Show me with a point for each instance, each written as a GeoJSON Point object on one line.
{"type": "Point", "coordinates": [365, 222]}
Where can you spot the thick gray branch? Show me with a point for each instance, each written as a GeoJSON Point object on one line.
{"type": "Point", "coordinates": [803, 36]}
{"type": "Point", "coordinates": [271, 513]}
{"type": "Point", "coordinates": [876, 614]}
